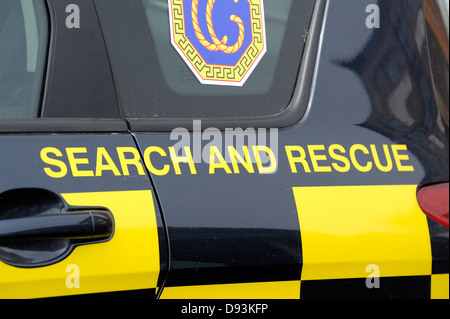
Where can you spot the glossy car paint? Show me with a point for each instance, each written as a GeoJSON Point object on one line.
{"type": "Point", "coordinates": [251, 235]}
{"type": "Point", "coordinates": [128, 260]}
{"type": "Point", "coordinates": [235, 228]}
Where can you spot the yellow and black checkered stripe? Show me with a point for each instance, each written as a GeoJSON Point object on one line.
{"type": "Point", "coordinates": [357, 242]}
{"type": "Point", "coordinates": [130, 261]}
{"type": "Point", "coordinates": [349, 231]}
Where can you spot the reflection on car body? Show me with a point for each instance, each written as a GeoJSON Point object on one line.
{"type": "Point", "coordinates": [184, 149]}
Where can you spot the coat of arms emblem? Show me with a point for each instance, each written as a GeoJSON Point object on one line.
{"type": "Point", "coordinates": [221, 41]}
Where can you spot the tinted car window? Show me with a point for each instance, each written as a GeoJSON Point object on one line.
{"type": "Point", "coordinates": [155, 81]}
{"type": "Point", "coordinates": [79, 79]}
{"type": "Point", "coordinates": [23, 43]}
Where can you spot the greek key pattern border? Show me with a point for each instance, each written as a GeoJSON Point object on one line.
{"type": "Point", "coordinates": [218, 72]}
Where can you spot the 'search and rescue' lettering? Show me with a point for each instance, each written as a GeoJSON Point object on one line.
{"type": "Point", "coordinates": [256, 159]}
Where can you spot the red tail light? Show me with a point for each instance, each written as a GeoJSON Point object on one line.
{"type": "Point", "coordinates": [433, 200]}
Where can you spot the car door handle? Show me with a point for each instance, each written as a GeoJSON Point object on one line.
{"type": "Point", "coordinates": [83, 225]}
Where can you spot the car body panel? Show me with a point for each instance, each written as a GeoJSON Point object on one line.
{"type": "Point", "coordinates": [79, 169]}
{"type": "Point", "coordinates": [343, 149]}
{"type": "Point", "coordinates": [325, 208]}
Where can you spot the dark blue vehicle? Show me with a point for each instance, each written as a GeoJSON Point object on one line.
{"type": "Point", "coordinates": [184, 149]}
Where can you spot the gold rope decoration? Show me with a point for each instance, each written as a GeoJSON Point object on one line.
{"type": "Point", "coordinates": [218, 44]}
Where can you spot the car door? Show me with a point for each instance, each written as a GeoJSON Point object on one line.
{"type": "Point", "coordinates": [286, 164]}
{"type": "Point", "coordinates": [78, 214]}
